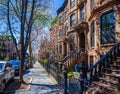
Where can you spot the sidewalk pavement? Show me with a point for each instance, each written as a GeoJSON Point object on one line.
{"type": "Point", "coordinates": [41, 82]}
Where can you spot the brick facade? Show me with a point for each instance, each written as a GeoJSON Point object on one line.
{"type": "Point", "coordinates": [7, 48]}
{"type": "Point", "coordinates": [81, 27]}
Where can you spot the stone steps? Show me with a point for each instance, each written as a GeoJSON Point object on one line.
{"type": "Point", "coordinates": [115, 66]}
{"type": "Point", "coordinates": [105, 87]}
{"type": "Point", "coordinates": [113, 71]}
{"type": "Point", "coordinates": [109, 76]}
{"type": "Point", "coordinates": [109, 82]}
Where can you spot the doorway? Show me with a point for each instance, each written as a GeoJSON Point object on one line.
{"type": "Point", "coordinates": [82, 40]}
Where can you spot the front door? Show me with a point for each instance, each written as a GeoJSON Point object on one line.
{"type": "Point", "coordinates": [82, 40]}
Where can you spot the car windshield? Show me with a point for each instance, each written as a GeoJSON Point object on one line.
{"type": "Point", "coordinates": [1, 66]}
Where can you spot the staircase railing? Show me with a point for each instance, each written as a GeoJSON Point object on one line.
{"type": "Point", "coordinates": [68, 60]}
{"type": "Point", "coordinates": [104, 61]}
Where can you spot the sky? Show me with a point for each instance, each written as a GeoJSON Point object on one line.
{"type": "Point", "coordinates": [56, 5]}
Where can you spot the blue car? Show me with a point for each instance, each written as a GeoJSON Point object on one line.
{"type": "Point", "coordinates": [26, 63]}
{"type": "Point", "coordinates": [16, 65]}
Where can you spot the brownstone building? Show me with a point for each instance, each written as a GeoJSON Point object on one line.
{"type": "Point", "coordinates": [43, 53]}
{"type": "Point", "coordinates": [7, 48]}
{"type": "Point", "coordinates": [90, 24]}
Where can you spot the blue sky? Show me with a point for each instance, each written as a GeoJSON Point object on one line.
{"type": "Point", "coordinates": [56, 5]}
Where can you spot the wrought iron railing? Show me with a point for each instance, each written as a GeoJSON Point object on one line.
{"type": "Point", "coordinates": [68, 60]}
{"type": "Point", "coordinates": [104, 61]}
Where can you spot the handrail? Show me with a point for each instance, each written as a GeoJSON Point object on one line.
{"type": "Point", "coordinates": [73, 54]}
{"type": "Point", "coordinates": [104, 57]}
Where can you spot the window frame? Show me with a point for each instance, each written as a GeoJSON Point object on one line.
{"type": "Point", "coordinates": [92, 35]}
{"type": "Point", "coordinates": [60, 49]}
{"type": "Point", "coordinates": [82, 13]}
{"type": "Point", "coordinates": [72, 3]}
{"type": "Point", "coordinates": [72, 19]}
{"type": "Point", "coordinates": [72, 42]}
{"type": "Point", "coordinates": [60, 19]}
{"type": "Point", "coordinates": [101, 28]}
{"type": "Point", "coordinates": [92, 4]}
{"type": "Point", "coordinates": [60, 34]}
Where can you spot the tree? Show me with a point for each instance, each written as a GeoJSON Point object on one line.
{"type": "Point", "coordinates": [22, 17]}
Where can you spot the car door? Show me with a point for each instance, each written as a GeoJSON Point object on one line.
{"type": "Point", "coordinates": [11, 70]}
{"type": "Point", "coordinates": [8, 71]}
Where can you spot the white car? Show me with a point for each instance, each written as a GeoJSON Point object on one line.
{"type": "Point", "coordinates": [6, 73]}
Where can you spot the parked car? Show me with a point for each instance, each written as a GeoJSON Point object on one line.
{"type": "Point", "coordinates": [26, 63]}
{"type": "Point", "coordinates": [16, 66]}
{"type": "Point", "coordinates": [6, 73]}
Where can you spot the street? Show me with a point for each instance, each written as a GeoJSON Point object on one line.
{"type": "Point", "coordinates": [41, 82]}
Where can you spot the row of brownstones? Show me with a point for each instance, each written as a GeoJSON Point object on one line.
{"type": "Point", "coordinates": [90, 24]}
{"type": "Point", "coordinates": [7, 48]}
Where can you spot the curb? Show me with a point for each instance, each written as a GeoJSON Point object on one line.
{"type": "Point", "coordinates": [28, 86]}
{"type": "Point", "coordinates": [54, 82]}
{"type": "Point", "coordinates": [19, 89]}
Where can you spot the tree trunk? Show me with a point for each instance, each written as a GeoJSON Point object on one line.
{"type": "Point", "coordinates": [22, 55]}
{"type": "Point", "coordinates": [22, 66]}
{"type": "Point", "coordinates": [30, 50]}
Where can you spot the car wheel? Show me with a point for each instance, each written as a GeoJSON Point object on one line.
{"type": "Point", "coordinates": [2, 87]}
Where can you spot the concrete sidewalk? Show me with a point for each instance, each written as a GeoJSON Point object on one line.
{"type": "Point", "coordinates": [41, 82]}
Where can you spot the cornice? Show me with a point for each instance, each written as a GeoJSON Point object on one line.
{"type": "Point", "coordinates": [61, 9]}
{"type": "Point", "coordinates": [96, 10]}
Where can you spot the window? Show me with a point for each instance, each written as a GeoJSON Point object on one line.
{"type": "Point", "coordinates": [92, 34]}
{"type": "Point", "coordinates": [64, 16]}
{"type": "Point", "coordinates": [60, 49]}
{"type": "Point", "coordinates": [91, 61]}
{"type": "Point", "coordinates": [60, 34]}
{"type": "Point", "coordinates": [72, 3]}
{"type": "Point", "coordinates": [108, 28]}
{"type": "Point", "coordinates": [91, 4]}
{"type": "Point", "coordinates": [72, 42]}
{"type": "Point", "coordinates": [60, 19]}
{"type": "Point", "coordinates": [72, 19]}
{"type": "Point", "coordinates": [65, 28]}
{"type": "Point", "coordinates": [82, 14]}
{"type": "Point", "coordinates": [8, 65]}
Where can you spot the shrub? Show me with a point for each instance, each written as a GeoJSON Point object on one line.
{"type": "Point", "coordinates": [73, 74]}
{"type": "Point", "coordinates": [6, 59]}
{"type": "Point", "coordinates": [45, 61]}
{"type": "Point", "coordinates": [70, 74]}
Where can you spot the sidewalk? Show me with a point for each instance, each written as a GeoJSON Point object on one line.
{"type": "Point", "coordinates": [41, 82]}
